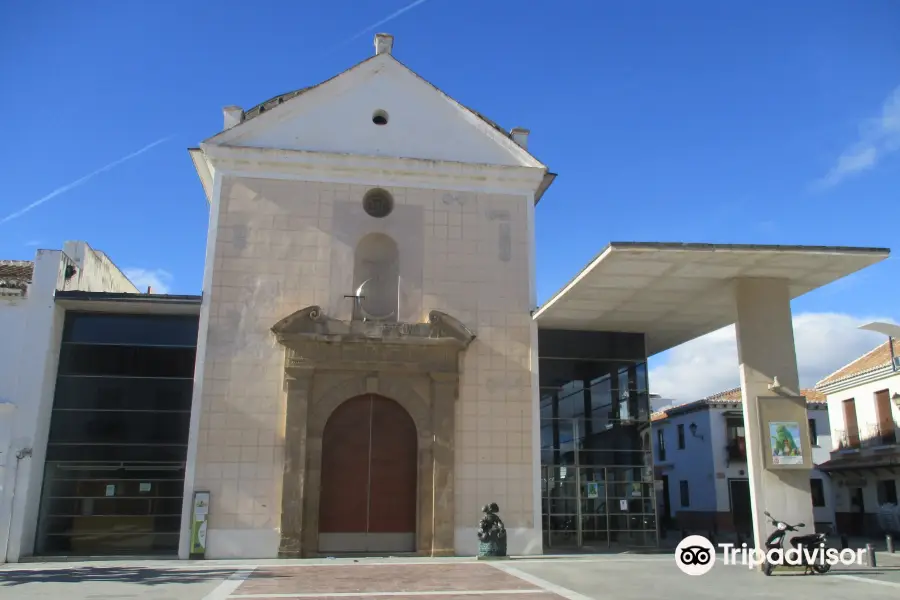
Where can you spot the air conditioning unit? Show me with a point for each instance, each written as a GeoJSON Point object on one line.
{"type": "Point", "coordinates": [897, 362]}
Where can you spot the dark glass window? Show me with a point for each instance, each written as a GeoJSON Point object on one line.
{"type": "Point", "coordinates": [595, 418]}
{"type": "Point", "coordinates": [681, 437]}
{"type": "Point", "coordinates": [817, 491]}
{"type": "Point", "coordinates": [887, 492]}
{"type": "Point", "coordinates": [813, 434]}
{"type": "Point", "coordinates": [130, 361]}
{"type": "Point", "coordinates": [131, 330]}
{"type": "Point", "coordinates": [116, 451]}
{"type": "Point", "coordinates": [685, 494]}
{"type": "Point", "coordinates": [660, 445]}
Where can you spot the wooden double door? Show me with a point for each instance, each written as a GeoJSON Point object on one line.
{"type": "Point", "coordinates": [368, 493]}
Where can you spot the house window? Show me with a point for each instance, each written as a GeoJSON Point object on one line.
{"type": "Point", "coordinates": [850, 437]}
{"type": "Point", "coordinates": [885, 418]}
{"type": "Point", "coordinates": [887, 492]}
{"type": "Point", "coordinates": [681, 437]}
{"type": "Point", "coordinates": [813, 435]}
{"type": "Point", "coordinates": [660, 445]}
{"type": "Point", "coordinates": [817, 491]}
{"type": "Point", "coordinates": [685, 494]}
{"type": "Point", "coordinates": [737, 448]}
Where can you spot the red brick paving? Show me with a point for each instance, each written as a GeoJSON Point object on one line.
{"type": "Point", "coordinates": [389, 578]}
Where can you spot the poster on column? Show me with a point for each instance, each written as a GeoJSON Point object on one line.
{"type": "Point", "coordinates": [785, 443]}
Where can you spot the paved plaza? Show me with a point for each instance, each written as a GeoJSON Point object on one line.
{"type": "Point", "coordinates": [619, 576]}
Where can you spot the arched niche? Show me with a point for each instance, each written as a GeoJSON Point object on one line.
{"type": "Point", "coordinates": [376, 278]}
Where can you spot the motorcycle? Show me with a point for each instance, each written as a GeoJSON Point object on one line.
{"type": "Point", "coordinates": [775, 541]}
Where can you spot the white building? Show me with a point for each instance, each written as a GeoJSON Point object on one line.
{"type": "Point", "coordinates": [32, 324]}
{"type": "Point", "coordinates": [864, 409]}
{"type": "Point", "coordinates": [700, 456]}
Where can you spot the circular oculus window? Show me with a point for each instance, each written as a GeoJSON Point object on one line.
{"type": "Point", "coordinates": [378, 203]}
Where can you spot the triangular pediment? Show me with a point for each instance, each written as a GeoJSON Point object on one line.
{"type": "Point", "coordinates": [337, 117]}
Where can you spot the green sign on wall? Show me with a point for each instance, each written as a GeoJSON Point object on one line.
{"type": "Point", "coordinates": [199, 518]}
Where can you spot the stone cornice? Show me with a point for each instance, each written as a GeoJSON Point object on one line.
{"type": "Point", "coordinates": [304, 165]}
{"type": "Point", "coordinates": [312, 324]}
{"type": "Point", "coordinates": [317, 342]}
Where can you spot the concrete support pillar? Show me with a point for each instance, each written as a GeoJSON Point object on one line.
{"type": "Point", "coordinates": [765, 340]}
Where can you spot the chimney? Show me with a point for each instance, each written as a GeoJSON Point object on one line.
{"type": "Point", "coordinates": [520, 136]}
{"type": "Point", "coordinates": [384, 43]}
{"type": "Point", "coordinates": [233, 116]}
{"type": "Point", "coordinates": [149, 290]}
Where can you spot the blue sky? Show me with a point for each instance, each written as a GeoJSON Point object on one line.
{"type": "Point", "coordinates": [701, 121]}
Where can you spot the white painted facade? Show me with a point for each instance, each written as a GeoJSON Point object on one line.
{"type": "Point", "coordinates": [28, 359]}
{"type": "Point", "coordinates": [862, 388]}
{"type": "Point", "coordinates": [704, 463]}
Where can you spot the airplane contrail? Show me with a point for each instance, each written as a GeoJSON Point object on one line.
{"type": "Point", "coordinates": [390, 17]}
{"type": "Point", "coordinates": [81, 181]}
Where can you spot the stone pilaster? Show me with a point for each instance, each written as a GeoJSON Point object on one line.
{"type": "Point", "coordinates": [445, 391]}
{"type": "Point", "coordinates": [299, 385]}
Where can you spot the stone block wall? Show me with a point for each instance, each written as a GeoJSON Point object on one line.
{"type": "Point", "coordinates": [276, 245]}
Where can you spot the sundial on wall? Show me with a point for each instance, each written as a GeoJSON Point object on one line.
{"type": "Point", "coordinates": [373, 301]}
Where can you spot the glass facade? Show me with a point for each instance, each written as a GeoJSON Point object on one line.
{"type": "Point", "coordinates": [596, 463]}
{"type": "Point", "coordinates": [114, 476]}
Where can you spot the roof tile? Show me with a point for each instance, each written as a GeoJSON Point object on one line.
{"type": "Point", "coordinates": [878, 357]}
{"type": "Point", "coordinates": [16, 273]}
{"type": "Point", "coordinates": [812, 396]}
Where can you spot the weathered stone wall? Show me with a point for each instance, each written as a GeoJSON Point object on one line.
{"type": "Point", "coordinates": [285, 245]}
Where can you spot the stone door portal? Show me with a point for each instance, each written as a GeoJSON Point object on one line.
{"type": "Point", "coordinates": [369, 470]}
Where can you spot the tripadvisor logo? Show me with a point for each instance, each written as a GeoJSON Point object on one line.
{"type": "Point", "coordinates": [696, 555]}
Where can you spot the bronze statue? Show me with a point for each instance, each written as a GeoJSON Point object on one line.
{"type": "Point", "coordinates": [491, 533]}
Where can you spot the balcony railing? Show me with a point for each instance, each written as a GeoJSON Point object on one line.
{"type": "Point", "coordinates": [880, 434]}
{"type": "Point", "coordinates": [866, 437]}
{"type": "Point", "coordinates": [736, 450]}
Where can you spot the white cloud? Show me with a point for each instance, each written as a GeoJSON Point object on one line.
{"type": "Point", "coordinates": [825, 342]}
{"type": "Point", "coordinates": [159, 280]}
{"type": "Point", "coordinates": [878, 137]}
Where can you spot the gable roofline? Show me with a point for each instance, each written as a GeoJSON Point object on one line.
{"type": "Point", "coordinates": [275, 105]}
{"type": "Point", "coordinates": [730, 398]}
{"type": "Point", "coordinates": [863, 369]}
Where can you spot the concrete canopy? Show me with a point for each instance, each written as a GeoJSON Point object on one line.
{"type": "Point", "coordinates": [674, 293]}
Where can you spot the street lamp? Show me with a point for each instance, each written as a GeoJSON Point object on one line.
{"type": "Point", "coordinates": [693, 428]}
{"type": "Point", "coordinates": [892, 331]}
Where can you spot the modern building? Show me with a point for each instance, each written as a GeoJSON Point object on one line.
{"type": "Point", "coordinates": [33, 324]}
{"type": "Point", "coordinates": [700, 457]}
{"type": "Point", "coordinates": [367, 365]}
{"type": "Point", "coordinates": [864, 409]}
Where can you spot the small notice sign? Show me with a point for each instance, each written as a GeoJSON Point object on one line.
{"type": "Point", "coordinates": [593, 489]}
{"type": "Point", "coordinates": [623, 505]}
{"type": "Point", "coordinates": [145, 487]}
{"type": "Point", "coordinates": [110, 490]}
{"type": "Point", "coordinates": [198, 527]}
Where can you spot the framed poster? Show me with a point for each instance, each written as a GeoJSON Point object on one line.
{"type": "Point", "coordinates": [783, 433]}
{"type": "Point", "coordinates": [199, 517]}
{"type": "Point", "coordinates": [785, 443]}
